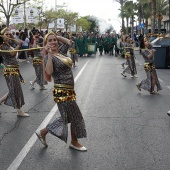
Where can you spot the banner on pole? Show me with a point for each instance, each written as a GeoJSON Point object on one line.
{"type": "Point", "coordinates": [17, 16]}
{"type": "Point", "coordinates": [51, 25]}
{"type": "Point", "coordinates": [31, 15]}
{"type": "Point", "coordinates": [60, 23]}
{"type": "Point", "coordinates": [80, 29]}
{"type": "Point", "coordinates": [73, 28]}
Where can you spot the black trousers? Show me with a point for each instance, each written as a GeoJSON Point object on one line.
{"type": "Point", "coordinates": [1, 59]}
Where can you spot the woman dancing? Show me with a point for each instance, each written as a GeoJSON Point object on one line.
{"type": "Point", "coordinates": [59, 67]}
{"type": "Point", "coordinates": [149, 67]}
{"type": "Point", "coordinates": [38, 66]}
{"type": "Point", "coordinates": [130, 59]}
{"type": "Point", "coordinates": [11, 73]}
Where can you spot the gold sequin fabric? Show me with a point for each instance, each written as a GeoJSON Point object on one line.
{"type": "Point", "coordinates": [62, 93]}
{"type": "Point", "coordinates": [149, 67]}
{"type": "Point", "coordinates": [8, 71]}
{"type": "Point", "coordinates": [127, 55]}
{"type": "Point", "coordinates": [37, 60]}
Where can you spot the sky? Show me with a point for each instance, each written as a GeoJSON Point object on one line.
{"type": "Point", "coordinates": [104, 9]}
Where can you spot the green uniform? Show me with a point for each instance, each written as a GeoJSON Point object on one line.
{"type": "Point", "coordinates": [81, 46]}
{"type": "Point", "coordinates": [100, 43]}
{"type": "Point", "coordinates": [111, 44]}
{"type": "Point", "coordinates": [106, 43]}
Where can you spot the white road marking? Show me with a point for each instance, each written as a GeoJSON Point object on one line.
{"type": "Point", "coordinates": [138, 62]}
{"type": "Point", "coordinates": [20, 157]}
{"type": "Point", "coordinates": [160, 80]}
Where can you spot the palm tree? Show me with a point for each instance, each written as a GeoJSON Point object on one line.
{"type": "Point", "coordinates": [146, 12]}
{"type": "Point", "coordinates": [129, 9]}
{"type": "Point", "coordinates": [161, 10]}
{"type": "Point", "coordinates": [140, 13]}
{"type": "Point", "coordinates": [153, 18]}
{"type": "Point", "coordinates": [121, 2]}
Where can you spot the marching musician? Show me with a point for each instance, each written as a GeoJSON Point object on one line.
{"type": "Point", "coordinates": [106, 43]}
{"type": "Point", "coordinates": [111, 43]}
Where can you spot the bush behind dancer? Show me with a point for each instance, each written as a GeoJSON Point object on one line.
{"type": "Point", "coordinates": [38, 65]}
{"type": "Point", "coordinates": [11, 73]}
{"type": "Point", "coordinates": [59, 67]}
{"type": "Point", "coordinates": [130, 58]}
{"type": "Point", "coordinates": [152, 80]}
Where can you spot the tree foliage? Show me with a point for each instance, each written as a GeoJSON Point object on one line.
{"type": "Point", "coordinates": [84, 23]}
{"type": "Point", "coordinates": [7, 8]}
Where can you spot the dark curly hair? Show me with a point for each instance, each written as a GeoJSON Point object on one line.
{"type": "Point", "coordinates": [1, 39]}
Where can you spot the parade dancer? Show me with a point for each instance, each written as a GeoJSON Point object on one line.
{"type": "Point", "coordinates": [130, 59]}
{"type": "Point", "coordinates": [149, 67]}
{"type": "Point", "coordinates": [38, 65]}
{"type": "Point", "coordinates": [59, 67]}
{"type": "Point", "coordinates": [72, 50]}
{"type": "Point", "coordinates": [63, 45]}
{"type": "Point", "coordinates": [11, 73]}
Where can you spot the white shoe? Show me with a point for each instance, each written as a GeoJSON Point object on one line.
{"type": "Point", "coordinates": [79, 149]}
{"type": "Point", "coordinates": [22, 114]}
{"type": "Point", "coordinates": [32, 85]}
{"type": "Point", "coordinates": [135, 76]}
{"type": "Point", "coordinates": [168, 113]}
{"type": "Point", "coordinates": [28, 61]}
{"type": "Point", "coordinates": [132, 76]}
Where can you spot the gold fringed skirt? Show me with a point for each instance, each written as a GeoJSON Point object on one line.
{"type": "Point", "coordinates": [13, 77]}
{"type": "Point", "coordinates": [63, 93]}
{"type": "Point", "coordinates": [65, 97]}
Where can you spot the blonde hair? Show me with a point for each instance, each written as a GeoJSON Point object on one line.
{"type": "Point", "coordinates": [46, 76]}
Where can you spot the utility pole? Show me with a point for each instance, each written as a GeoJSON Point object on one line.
{"type": "Point", "coordinates": [56, 7]}
{"type": "Point", "coordinates": [24, 16]}
{"type": "Point", "coordinates": [25, 21]}
{"type": "Point", "coordinates": [169, 17]}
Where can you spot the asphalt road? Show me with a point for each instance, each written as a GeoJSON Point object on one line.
{"type": "Point", "coordinates": [127, 129]}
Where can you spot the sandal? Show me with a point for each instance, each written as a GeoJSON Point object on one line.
{"type": "Point", "coordinates": [41, 139]}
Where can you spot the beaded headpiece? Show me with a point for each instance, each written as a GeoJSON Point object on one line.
{"type": "Point", "coordinates": [50, 33]}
